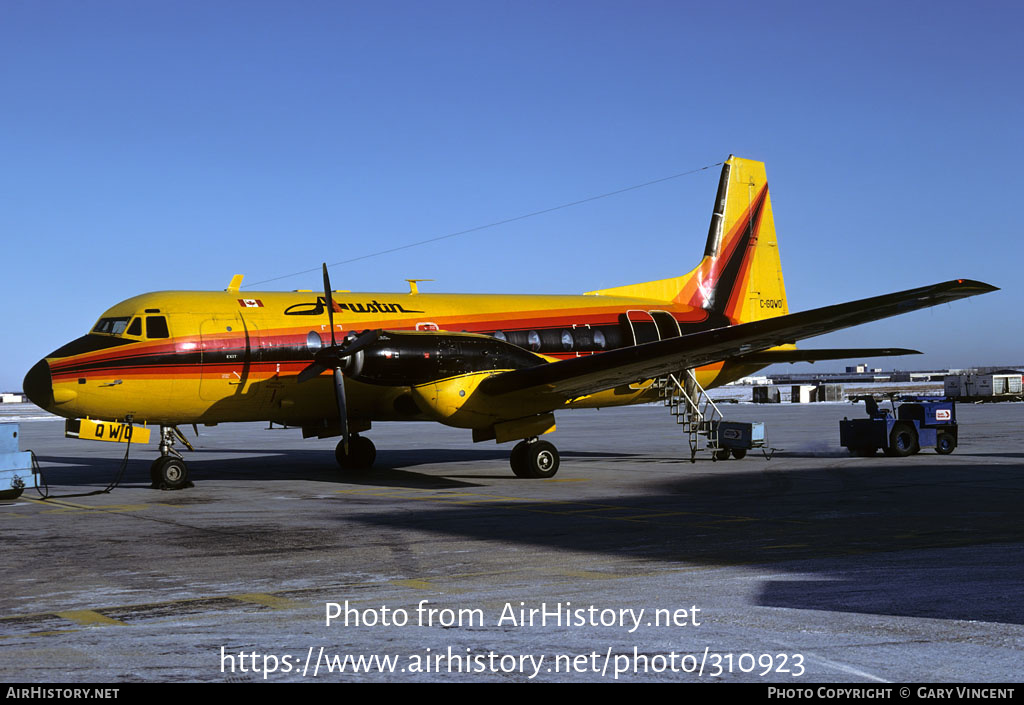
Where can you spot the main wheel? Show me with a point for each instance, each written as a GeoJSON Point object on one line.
{"type": "Point", "coordinates": [542, 459]}
{"type": "Point", "coordinates": [739, 453]}
{"type": "Point", "coordinates": [516, 460]}
{"type": "Point", "coordinates": [902, 440]}
{"type": "Point", "coordinates": [538, 459]}
{"type": "Point", "coordinates": [169, 473]}
{"type": "Point", "coordinates": [722, 454]}
{"type": "Point", "coordinates": [360, 456]}
{"type": "Point", "coordinates": [944, 443]}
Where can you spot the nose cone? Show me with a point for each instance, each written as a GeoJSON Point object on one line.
{"type": "Point", "coordinates": [38, 386]}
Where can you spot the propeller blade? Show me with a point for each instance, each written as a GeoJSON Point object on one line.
{"type": "Point", "coordinates": [339, 394]}
{"type": "Point", "coordinates": [312, 371]}
{"type": "Point", "coordinates": [329, 300]}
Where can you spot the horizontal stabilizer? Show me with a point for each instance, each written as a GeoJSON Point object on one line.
{"type": "Point", "coordinates": [770, 357]}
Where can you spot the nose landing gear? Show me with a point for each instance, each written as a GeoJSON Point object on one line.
{"type": "Point", "coordinates": [169, 471]}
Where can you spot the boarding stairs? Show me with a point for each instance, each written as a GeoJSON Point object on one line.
{"type": "Point", "coordinates": [692, 408]}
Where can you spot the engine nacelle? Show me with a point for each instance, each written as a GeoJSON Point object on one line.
{"type": "Point", "coordinates": [416, 358]}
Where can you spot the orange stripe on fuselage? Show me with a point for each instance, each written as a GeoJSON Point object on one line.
{"type": "Point", "coordinates": [274, 330]}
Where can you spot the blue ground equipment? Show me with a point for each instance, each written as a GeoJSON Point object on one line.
{"type": "Point", "coordinates": [903, 429]}
{"type": "Point", "coordinates": [15, 466]}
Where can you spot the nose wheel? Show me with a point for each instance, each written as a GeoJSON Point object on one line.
{"type": "Point", "coordinates": [533, 458]}
{"type": "Point", "coordinates": [169, 471]}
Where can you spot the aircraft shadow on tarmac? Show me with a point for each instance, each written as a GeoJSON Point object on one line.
{"type": "Point", "coordinates": [390, 470]}
{"type": "Point", "coordinates": [920, 540]}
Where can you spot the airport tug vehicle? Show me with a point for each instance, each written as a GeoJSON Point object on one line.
{"type": "Point", "coordinates": [903, 429]}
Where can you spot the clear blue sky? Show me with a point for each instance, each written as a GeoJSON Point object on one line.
{"type": "Point", "coordinates": [169, 145]}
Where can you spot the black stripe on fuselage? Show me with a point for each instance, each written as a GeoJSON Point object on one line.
{"type": "Point", "coordinates": [89, 343]}
{"type": "Point", "coordinates": [137, 360]}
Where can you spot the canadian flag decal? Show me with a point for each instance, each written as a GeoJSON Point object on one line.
{"type": "Point", "coordinates": [250, 303]}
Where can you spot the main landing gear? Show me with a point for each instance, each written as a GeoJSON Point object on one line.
{"type": "Point", "coordinates": [530, 458]}
{"type": "Point", "coordinates": [169, 471]}
{"type": "Point", "coordinates": [533, 458]}
{"type": "Point", "coordinates": [360, 456]}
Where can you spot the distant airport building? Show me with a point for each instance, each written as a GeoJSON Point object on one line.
{"type": "Point", "coordinates": [815, 378]}
{"type": "Point", "coordinates": [862, 369]}
{"type": "Point", "coordinates": [756, 380]}
{"type": "Point", "coordinates": [988, 384]}
{"type": "Point", "coordinates": [6, 398]}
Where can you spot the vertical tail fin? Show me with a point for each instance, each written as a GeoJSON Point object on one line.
{"type": "Point", "coordinates": [740, 275]}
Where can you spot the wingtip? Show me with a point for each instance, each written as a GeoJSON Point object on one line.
{"type": "Point", "coordinates": [974, 285]}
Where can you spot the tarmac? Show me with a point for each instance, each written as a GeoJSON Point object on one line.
{"type": "Point", "coordinates": [632, 564]}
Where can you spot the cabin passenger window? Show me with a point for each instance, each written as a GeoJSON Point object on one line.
{"type": "Point", "coordinates": [533, 340]}
{"type": "Point", "coordinates": [156, 327]}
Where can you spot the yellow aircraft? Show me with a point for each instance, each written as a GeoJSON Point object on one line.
{"type": "Point", "coordinates": [498, 365]}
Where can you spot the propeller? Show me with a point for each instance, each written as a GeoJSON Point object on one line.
{"type": "Point", "coordinates": [333, 357]}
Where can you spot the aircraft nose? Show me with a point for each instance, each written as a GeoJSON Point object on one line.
{"type": "Point", "coordinates": [38, 385]}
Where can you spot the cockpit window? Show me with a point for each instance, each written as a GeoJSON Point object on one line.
{"type": "Point", "coordinates": [136, 327]}
{"type": "Point", "coordinates": [111, 326]}
{"type": "Point", "coordinates": [156, 327]}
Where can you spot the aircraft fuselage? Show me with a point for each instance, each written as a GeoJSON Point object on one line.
{"type": "Point", "coordinates": [212, 357]}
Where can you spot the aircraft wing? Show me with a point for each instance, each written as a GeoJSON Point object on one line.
{"type": "Point", "coordinates": [771, 357]}
{"type": "Point", "coordinates": [569, 379]}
